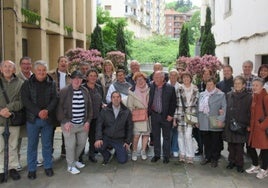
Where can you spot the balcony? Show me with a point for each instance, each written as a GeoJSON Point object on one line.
{"type": "Point", "coordinates": [30, 18]}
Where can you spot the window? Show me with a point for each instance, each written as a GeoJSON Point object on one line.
{"type": "Point", "coordinates": [226, 60]}
{"type": "Point", "coordinates": [24, 47]}
{"type": "Point", "coordinates": [227, 8]}
{"type": "Point", "coordinates": [107, 7]}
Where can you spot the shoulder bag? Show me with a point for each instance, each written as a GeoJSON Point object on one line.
{"type": "Point", "coordinates": [18, 118]}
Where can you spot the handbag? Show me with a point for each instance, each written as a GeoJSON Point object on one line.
{"type": "Point", "coordinates": [236, 127]}
{"type": "Point", "coordinates": [213, 123]}
{"type": "Point", "coordinates": [17, 118]}
{"type": "Point", "coordinates": [189, 118]}
{"type": "Point", "coordinates": [139, 115]}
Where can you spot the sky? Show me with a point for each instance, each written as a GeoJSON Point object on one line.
{"type": "Point", "coordinates": [195, 2]}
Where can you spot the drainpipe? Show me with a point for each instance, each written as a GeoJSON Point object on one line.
{"type": "Point", "coordinates": [2, 30]}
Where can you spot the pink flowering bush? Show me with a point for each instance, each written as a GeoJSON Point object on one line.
{"type": "Point", "coordinates": [77, 55]}
{"type": "Point", "coordinates": [117, 57]}
{"type": "Point", "coordinates": [195, 65]}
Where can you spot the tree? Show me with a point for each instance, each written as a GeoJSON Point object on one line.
{"type": "Point", "coordinates": [194, 28]}
{"type": "Point", "coordinates": [184, 42]}
{"type": "Point", "coordinates": [97, 40]}
{"type": "Point", "coordinates": [207, 41]}
{"type": "Point", "coordinates": [121, 41]}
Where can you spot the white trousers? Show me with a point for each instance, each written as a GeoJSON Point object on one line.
{"type": "Point", "coordinates": [185, 141]}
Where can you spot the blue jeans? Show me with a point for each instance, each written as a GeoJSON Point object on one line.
{"type": "Point", "coordinates": [120, 151]}
{"type": "Point", "coordinates": [174, 139]}
{"type": "Point", "coordinates": [33, 131]}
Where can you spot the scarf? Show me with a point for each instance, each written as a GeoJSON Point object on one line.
{"type": "Point", "coordinates": [122, 87]}
{"type": "Point", "coordinates": [141, 94]}
{"type": "Point", "coordinates": [204, 107]}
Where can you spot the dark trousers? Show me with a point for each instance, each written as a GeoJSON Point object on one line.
{"type": "Point", "coordinates": [255, 159]}
{"type": "Point", "coordinates": [236, 151]}
{"type": "Point", "coordinates": [158, 124]}
{"type": "Point", "coordinates": [91, 138]}
{"type": "Point", "coordinates": [120, 150]}
{"type": "Point", "coordinates": [212, 144]}
{"type": "Point", "coordinates": [197, 136]}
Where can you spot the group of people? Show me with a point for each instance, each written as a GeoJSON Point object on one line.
{"type": "Point", "coordinates": [113, 111]}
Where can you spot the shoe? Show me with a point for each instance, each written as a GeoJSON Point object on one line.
{"type": "Point", "coordinates": [49, 172]}
{"type": "Point", "coordinates": [175, 154]}
{"type": "Point", "coordinates": [32, 175]}
{"type": "Point", "coordinates": [189, 160]}
{"type": "Point", "coordinates": [92, 159]}
{"type": "Point", "coordinates": [214, 164]}
{"type": "Point", "coordinates": [262, 174]}
{"type": "Point", "coordinates": [19, 168]}
{"type": "Point", "coordinates": [39, 163]}
{"type": "Point", "coordinates": [73, 170]}
{"type": "Point", "coordinates": [151, 143]}
{"type": "Point", "coordinates": [253, 169]}
{"type": "Point", "coordinates": [198, 153]}
{"type": "Point", "coordinates": [2, 177]}
{"type": "Point", "coordinates": [166, 160]}
{"type": "Point", "coordinates": [14, 174]}
{"type": "Point", "coordinates": [182, 158]}
{"type": "Point", "coordinates": [79, 164]}
{"type": "Point", "coordinates": [106, 161]}
{"type": "Point", "coordinates": [143, 155]}
{"type": "Point", "coordinates": [134, 156]}
{"type": "Point", "coordinates": [230, 165]}
{"type": "Point", "coordinates": [240, 169]}
{"type": "Point", "coordinates": [205, 161]}
{"type": "Point", "coordinates": [155, 159]}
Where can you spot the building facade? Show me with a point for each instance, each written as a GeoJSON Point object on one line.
{"type": "Point", "coordinates": [144, 17]}
{"type": "Point", "coordinates": [241, 31]}
{"type": "Point", "coordinates": [46, 29]}
{"type": "Point", "coordinates": [174, 21]}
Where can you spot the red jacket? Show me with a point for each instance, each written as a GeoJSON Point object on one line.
{"type": "Point", "coordinates": [257, 136]}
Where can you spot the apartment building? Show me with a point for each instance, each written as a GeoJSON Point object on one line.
{"type": "Point", "coordinates": [144, 17]}
{"type": "Point", "coordinates": [240, 29]}
{"type": "Point", "coordinates": [45, 29]}
{"type": "Point", "coordinates": [174, 21]}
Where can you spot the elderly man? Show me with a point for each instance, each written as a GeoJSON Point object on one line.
{"type": "Point", "coordinates": [161, 108]}
{"type": "Point", "coordinates": [227, 83]}
{"type": "Point", "coordinates": [25, 68]}
{"type": "Point", "coordinates": [134, 67]}
{"type": "Point", "coordinates": [75, 114]}
{"type": "Point", "coordinates": [157, 67]}
{"type": "Point", "coordinates": [39, 97]}
{"type": "Point", "coordinates": [247, 74]}
{"type": "Point", "coordinates": [11, 85]}
{"type": "Point", "coordinates": [114, 128]}
{"type": "Point", "coordinates": [62, 79]}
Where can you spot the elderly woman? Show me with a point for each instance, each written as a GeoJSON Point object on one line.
{"type": "Point", "coordinates": [173, 80]}
{"type": "Point", "coordinates": [211, 117]}
{"type": "Point", "coordinates": [263, 73]}
{"type": "Point", "coordinates": [238, 111]}
{"type": "Point", "coordinates": [258, 124]}
{"type": "Point", "coordinates": [107, 77]}
{"type": "Point", "coordinates": [138, 99]}
{"type": "Point", "coordinates": [187, 101]}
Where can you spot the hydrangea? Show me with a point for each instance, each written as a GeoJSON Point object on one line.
{"type": "Point", "coordinates": [117, 57]}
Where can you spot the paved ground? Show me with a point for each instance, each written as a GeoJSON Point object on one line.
{"type": "Point", "coordinates": [137, 174]}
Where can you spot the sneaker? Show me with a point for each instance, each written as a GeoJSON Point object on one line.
{"type": "Point", "coordinates": [262, 174]}
{"type": "Point", "coordinates": [134, 156]}
{"type": "Point", "coordinates": [253, 169]}
{"type": "Point", "coordinates": [175, 154]}
{"type": "Point", "coordinates": [19, 168]}
{"type": "Point", "coordinates": [143, 155]}
{"type": "Point", "coordinates": [39, 163]}
{"type": "Point", "coordinates": [73, 170]}
{"type": "Point", "coordinates": [79, 164]}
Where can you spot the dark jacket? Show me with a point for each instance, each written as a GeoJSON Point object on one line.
{"type": "Point", "coordinates": [64, 112]}
{"type": "Point", "coordinates": [238, 107]}
{"type": "Point", "coordinates": [226, 85]}
{"type": "Point", "coordinates": [119, 128]}
{"type": "Point", "coordinates": [29, 98]}
{"type": "Point", "coordinates": [168, 100]}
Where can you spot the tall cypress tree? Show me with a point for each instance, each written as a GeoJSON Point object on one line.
{"type": "Point", "coordinates": [121, 42]}
{"type": "Point", "coordinates": [208, 41]}
{"type": "Point", "coordinates": [184, 42]}
{"type": "Point", "coordinates": [97, 40]}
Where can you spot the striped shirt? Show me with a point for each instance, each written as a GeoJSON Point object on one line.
{"type": "Point", "coordinates": [78, 107]}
